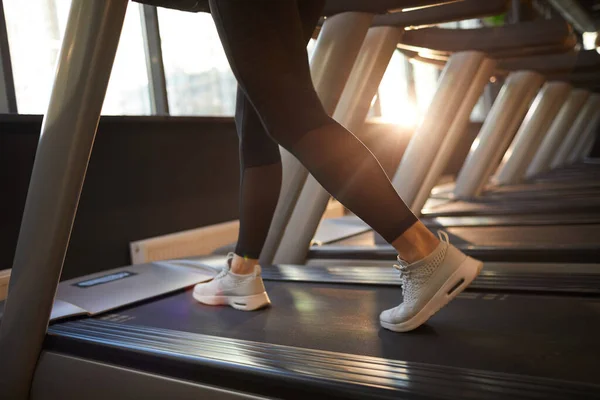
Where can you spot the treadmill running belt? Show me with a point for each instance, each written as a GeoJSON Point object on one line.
{"type": "Point", "coordinates": [532, 236]}
{"type": "Point", "coordinates": [531, 187]}
{"type": "Point", "coordinates": [581, 205]}
{"type": "Point", "coordinates": [539, 236]}
{"type": "Point", "coordinates": [544, 336]}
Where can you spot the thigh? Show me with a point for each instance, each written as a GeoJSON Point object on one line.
{"type": "Point", "coordinates": [260, 36]}
{"type": "Point", "coordinates": [256, 147]}
{"type": "Point", "coordinates": [265, 44]}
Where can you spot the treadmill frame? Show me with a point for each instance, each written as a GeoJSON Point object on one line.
{"type": "Point", "coordinates": [68, 131]}
{"type": "Point", "coordinates": [270, 369]}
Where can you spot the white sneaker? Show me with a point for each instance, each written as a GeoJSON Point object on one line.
{"type": "Point", "coordinates": [242, 292]}
{"type": "Point", "coordinates": [430, 284]}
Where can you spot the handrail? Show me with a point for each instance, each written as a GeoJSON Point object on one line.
{"type": "Point", "coordinates": [457, 11]}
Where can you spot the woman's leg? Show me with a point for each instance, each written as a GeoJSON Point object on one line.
{"type": "Point", "coordinates": [260, 166]}
{"type": "Point", "coordinates": [240, 285]}
{"type": "Point", "coordinates": [260, 183]}
{"type": "Point", "coordinates": [264, 43]}
{"type": "Point", "coordinates": [264, 46]}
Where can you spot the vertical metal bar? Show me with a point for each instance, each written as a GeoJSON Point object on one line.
{"type": "Point", "coordinates": [557, 132]}
{"type": "Point", "coordinates": [8, 96]}
{"type": "Point", "coordinates": [586, 139]}
{"type": "Point", "coordinates": [577, 129]}
{"type": "Point", "coordinates": [354, 104]}
{"type": "Point", "coordinates": [575, 14]}
{"type": "Point", "coordinates": [497, 132]}
{"type": "Point", "coordinates": [514, 14]}
{"type": "Point", "coordinates": [424, 146]}
{"type": "Point", "coordinates": [536, 124]}
{"type": "Point", "coordinates": [455, 134]}
{"type": "Point", "coordinates": [586, 147]}
{"type": "Point", "coordinates": [68, 131]}
{"type": "Point", "coordinates": [159, 100]}
{"type": "Point", "coordinates": [336, 49]}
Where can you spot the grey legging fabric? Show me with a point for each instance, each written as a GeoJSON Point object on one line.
{"type": "Point", "coordinates": [265, 43]}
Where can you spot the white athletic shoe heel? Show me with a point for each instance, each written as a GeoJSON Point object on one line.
{"type": "Point", "coordinates": [430, 284]}
{"type": "Point", "coordinates": [242, 292]}
{"type": "Point", "coordinates": [244, 303]}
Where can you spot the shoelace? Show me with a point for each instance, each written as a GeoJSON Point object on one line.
{"type": "Point", "coordinates": [403, 267]}
{"type": "Point", "coordinates": [226, 268]}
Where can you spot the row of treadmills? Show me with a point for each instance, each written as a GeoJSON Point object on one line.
{"type": "Point", "coordinates": [527, 202]}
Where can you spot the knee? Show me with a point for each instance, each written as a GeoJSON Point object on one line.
{"type": "Point", "coordinates": [288, 108]}
{"type": "Point", "coordinates": [258, 152]}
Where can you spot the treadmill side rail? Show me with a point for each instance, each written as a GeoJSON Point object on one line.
{"type": "Point", "coordinates": [291, 370]}
{"type": "Point", "coordinates": [497, 132]}
{"type": "Point", "coordinates": [61, 377]}
{"type": "Point", "coordinates": [576, 130]}
{"type": "Point", "coordinates": [83, 70]}
{"type": "Point", "coordinates": [528, 138]}
{"type": "Point", "coordinates": [555, 135]}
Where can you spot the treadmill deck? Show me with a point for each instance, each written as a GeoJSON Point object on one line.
{"type": "Point", "coordinates": [541, 243]}
{"type": "Point", "coordinates": [542, 336]}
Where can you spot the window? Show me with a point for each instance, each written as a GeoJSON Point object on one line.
{"type": "Point", "coordinates": [128, 89]}
{"type": "Point", "coordinates": [394, 95]}
{"type": "Point", "coordinates": [199, 80]}
{"type": "Point", "coordinates": [590, 40]}
{"type": "Point", "coordinates": [35, 29]}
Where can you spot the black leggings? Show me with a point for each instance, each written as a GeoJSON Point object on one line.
{"type": "Point", "coordinates": [265, 43]}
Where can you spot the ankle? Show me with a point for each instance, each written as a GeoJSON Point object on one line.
{"type": "Point", "coordinates": [417, 253]}
{"type": "Point", "coordinates": [416, 243]}
{"type": "Point", "coordinates": [243, 265]}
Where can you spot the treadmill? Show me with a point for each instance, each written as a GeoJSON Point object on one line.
{"type": "Point", "coordinates": [124, 334]}
{"type": "Point", "coordinates": [531, 169]}
{"type": "Point", "coordinates": [583, 194]}
{"type": "Point", "coordinates": [579, 192]}
{"type": "Point", "coordinates": [559, 226]}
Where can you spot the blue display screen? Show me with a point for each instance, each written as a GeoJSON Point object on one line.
{"type": "Point", "coordinates": [104, 279]}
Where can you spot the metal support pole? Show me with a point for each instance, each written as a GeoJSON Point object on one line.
{"type": "Point", "coordinates": [497, 132]}
{"type": "Point", "coordinates": [83, 70]}
{"type": "Point", "coordinates": [154, 60]}
{"type": "Point", "coordinates": [577, 129]}
{"type": "Point", "coordinates": [557, 132]}
{"type": "Point", "coordinates": [586, 147]}
{"type": "Point", "coordinates": [455, 133]}
{"type": "Point", "coordinates": [572, 11]}
{"type": "Point", "coordinates": [424, 146]}
{"type": "Point", "coordinates": [369, 68]}
{"type": "Point", "coordinates": [538, 120]}
{"type": "Point", "coordinates": [586, 139]}
{"type": "Point", "coordinates": [337, 47]}
{"type": "Point", "coordinates": [589, 146]}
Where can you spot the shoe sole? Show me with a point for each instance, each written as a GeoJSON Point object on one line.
{"type": "Point", "coordinates": [244, 303]}
{"type": "Point", "coordinates": [458, 281]}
